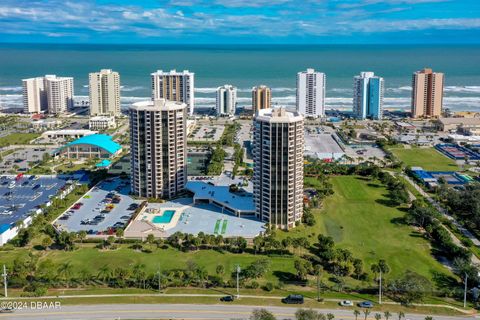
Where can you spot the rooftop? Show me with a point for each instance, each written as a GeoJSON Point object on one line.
{"type": "Point", "coordinates": [241, 201]}
{"type": "Point", "coordinates": [158, 105]}
{"type": "Point", "coordinates": [465, 121]}
{"type": "Point", "coordinates": [100, 140]}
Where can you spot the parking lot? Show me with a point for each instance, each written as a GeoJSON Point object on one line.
{"type": "Point", "coordinates": [207, 133]}
{"type": "Point", "coordinates": [20, 196]}
{"type": "Point", "coordinates": [22, 158]}
{"type": "Point", "coordinates": [105, 207]}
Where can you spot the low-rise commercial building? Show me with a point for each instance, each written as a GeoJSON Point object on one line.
{"type": "Point", "coordinates": [67, 133]}
{"type": "Point", "coordinates": [100, 146]}
{"type": "Point", "coordinates": [102, 123]}
{"type": "Point", "coordinates": [469, 126]}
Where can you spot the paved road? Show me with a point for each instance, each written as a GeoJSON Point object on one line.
{"type": "Point", "coordinates": [178, 311]}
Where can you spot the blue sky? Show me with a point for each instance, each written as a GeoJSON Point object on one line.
{"type": "Point", "coordinates": [240, 21]}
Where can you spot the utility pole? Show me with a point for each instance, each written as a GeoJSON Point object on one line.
{"type": "Point", "coordinates": [5, 280]}
{"type": "Point", "coordinates": [238, 282]}
{"type": "Point", "coordinates": [465, 292]}
{"type": "Point", "coordinates": [380, 289]}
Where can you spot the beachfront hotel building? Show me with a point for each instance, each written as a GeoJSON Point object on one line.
{"type": "Point", "coordinates": [311, 93]}
{"type": "Point", "coordinates": [278, 146]}
{"type": "Point", "coordinates": [48, 94]}
{"type": "Point", "coordinates": [427, 93]}
{"type": "Point", "coordinates": [368, 91]}
{"type": "Point", "coordinates": [226, 100]}
{"type": "Point", "coordinates": [158, 148]}
{"type": "Point", "coordinates": [104, 93]}
{"type": "Point", "coordinates": [261, 98]}
{"type": "Point", "coordinates": [174, 86]}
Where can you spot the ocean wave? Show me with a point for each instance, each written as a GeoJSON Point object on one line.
{"type": "Point", "coordinates": [462, 89]}
{"type": "Point", "coordinates": [12, 89]}
{"type": "Point", "coordinates": [131, 88]}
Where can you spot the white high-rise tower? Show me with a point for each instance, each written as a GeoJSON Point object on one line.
{"type": "Point", "coordinates": [311, 93]}
{"type": "Point", "coordinates": [226, 100]}
{"type": "Point", "coordinates": [50, 93]}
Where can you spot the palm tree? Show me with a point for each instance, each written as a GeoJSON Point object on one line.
{"type": "Point", "coordinates": [366, 312]}
{"type": "Point", "coordinates": [356, 313]}
{"type": "Point", "coordinates": [104, 273]}
{"type": "Point", "coordinates": [378, 316]}
{"type": "Point", "coordinates": [65, 271]}
{"type": "Point", "coordinates": [82, 235]}
{"type": "Point", "coordinates": [401, 315]}
{"type": "Point", "coordinates": [387, 315]}
{"type": "Point", "coordinates": [330, 316]}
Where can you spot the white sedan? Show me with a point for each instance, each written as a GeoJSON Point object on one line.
{"type": "Point", "coordinates": [346, 303]}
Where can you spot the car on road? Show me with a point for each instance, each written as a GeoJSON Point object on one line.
{"type": "Point", "coordinates": [365, 304]}
{"type": "Point", "coordinates": [346, 303]}
{"type": "Point", "coordinates": [7, 310]}
{"type": "Point", "coordinates": [293, 299]}
{"type": "Point", "coordinates": [227, 299]}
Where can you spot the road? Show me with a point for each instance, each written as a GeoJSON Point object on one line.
{"type": "Point", "coordinates": [179, 311]}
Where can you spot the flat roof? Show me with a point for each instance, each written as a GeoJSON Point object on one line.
{"type": "Point", "coordinates": [158, 105]}
{"type": "Point", "coordinates": [459, 121]}
{"type": "Point", "coordinates": [241, 201]}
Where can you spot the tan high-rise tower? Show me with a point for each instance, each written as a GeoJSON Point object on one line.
{"type": "Point", "coordinates": [261, 98]}
{"type": "Point", "coordinates": [158, 148]}
{"type": "Point", "coordinates": [427, 93]}
{"type": "Point", "coordinates": [104, 92]}
{"type": "Point", "coordinates": [278, 147]}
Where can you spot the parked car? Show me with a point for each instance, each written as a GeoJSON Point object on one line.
{"type": "Point", "coordinates": [7, 310]}
{"type": "Point", "coordinates": [293, 299]}
{"type": "Point", "coordinates": [227, 299]}
{"type": "Point", "coordinates": [365, 304]}
{"type": "Point", "coordinates": [346, 303]}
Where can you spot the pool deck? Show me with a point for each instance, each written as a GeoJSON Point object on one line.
{"type": "Point", "coordinates": [161, 208]}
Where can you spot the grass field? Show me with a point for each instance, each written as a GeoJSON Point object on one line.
{"type": "Point", "coordinates": [18, 138]}
{"type": "Point", "coordinates": [358, 219]}
{"type": "Point", "coordinates": [427, 158]}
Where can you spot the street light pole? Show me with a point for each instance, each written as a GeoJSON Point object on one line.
{"type": "Point", "coordinates": [238, 282]}
{"type": "Point", "coordinates": [5, 280]}
{"type": "Point", "coordinates": [380, 289]}
{"type": "Point", "coordinates": [465, 292]}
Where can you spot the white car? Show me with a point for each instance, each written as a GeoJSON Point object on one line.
{"type": "Point", "coordinates": [346, 303]}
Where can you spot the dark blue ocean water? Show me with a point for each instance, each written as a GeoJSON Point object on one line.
{"type": "Point", "coordinates": [246, 66]}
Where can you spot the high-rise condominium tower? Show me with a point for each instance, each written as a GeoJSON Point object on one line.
{"type": "Point", "coordinates": [368, 96]}
{"type": "Point", "coordinates": [311, 93]}
{"type": "Point", "coordinates": [261, 98]}
{"type": "Point", "coordinates": [427, 93]}
{"type": "Point", "coordinates": [174, 86]}
{"type": "Point", "coordinates": [226, 101]}
{"type": "Point", "coordinates": [50, 94]}
{"type": "Point", "coordinates": [278, 145]}
{"type": "Point", "coordinates": [158, 148]}
{"type": "Point", "coordinates": [104, 93]}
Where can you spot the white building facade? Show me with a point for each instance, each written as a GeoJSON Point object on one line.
{"type": "Point", "coordinates": [102, 123]}
{"type": "Point", "coordinates": [311, 93]}
{"type": "Point", "coordinates": [104, 93]}
{"type": "Point", "coordinates": [174, 86]}
{"type": "Point", "coordinates": [158, 148]}
{"type": "Point", "coordinates": [278, 147]}
{"type": "Point", "coordinates": [50, 94]}
{"type": "Point", "coordinates": [226, 100]}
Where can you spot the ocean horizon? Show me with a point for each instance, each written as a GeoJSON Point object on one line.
{"type": "Point", "coordinates": [245, 66]}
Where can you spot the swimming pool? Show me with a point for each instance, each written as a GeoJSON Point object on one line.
{"type": "Point", "coordinates": [165, 218]}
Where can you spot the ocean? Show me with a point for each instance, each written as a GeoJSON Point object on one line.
{"type": "Point", "coordinates": [245, 66]}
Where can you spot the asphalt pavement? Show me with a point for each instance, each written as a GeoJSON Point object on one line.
{"type": "Point", "coordinates": [178, 311]}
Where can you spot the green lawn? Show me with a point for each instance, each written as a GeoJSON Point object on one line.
{"type": "Point", "coordinates": [358, 219]}
{"type": "Point", "coordinates": [91, 259]}
{"type": "Point", "coordinates": [18, 138]}
{"type": "Point", "coordinates": [427, 158]}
